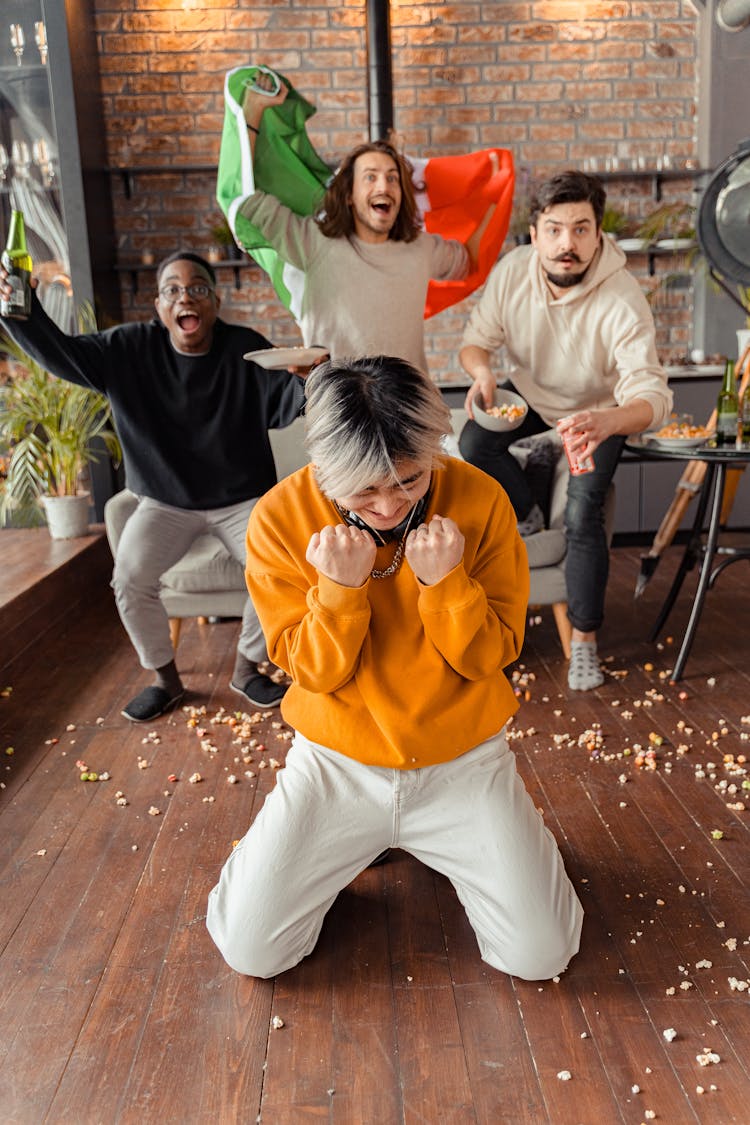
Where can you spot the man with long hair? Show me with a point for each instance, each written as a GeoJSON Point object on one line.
{"type": "Point", "coordinates": [392, 584]}
{"type": "Point", "coordinates": [580, 346]}
{"type": "Point", "coordinates": [365, 261]}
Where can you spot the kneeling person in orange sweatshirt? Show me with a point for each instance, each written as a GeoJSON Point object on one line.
{"type": "Point", "coordinates": [392, 586]}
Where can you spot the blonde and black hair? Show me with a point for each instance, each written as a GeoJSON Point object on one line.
{"type": "Point", "coordinates": [365, 416]}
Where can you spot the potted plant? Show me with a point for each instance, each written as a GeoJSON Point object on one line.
{"type": "Point", "coordinates": [670, 227]}
{"type": "Point", "coordinates": [52, 430]}
{"type": "Point", "coordinates": [223, 239]}
{"type": "Point", "coordinates": [614, 221]}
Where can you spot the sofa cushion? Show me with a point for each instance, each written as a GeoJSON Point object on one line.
{"type": "Point", "coordinates": [546, 548]}
{"type": "Point", "coordinates": [206, 566]}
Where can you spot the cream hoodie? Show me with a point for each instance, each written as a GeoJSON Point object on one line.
{"type": "Point", "coordinates": [593, 347]}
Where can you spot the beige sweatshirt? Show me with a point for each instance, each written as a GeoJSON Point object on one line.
{"type": "Point", "coordinates": [593, 347]}
{"type": "Point", "coordinates": [352, 297]}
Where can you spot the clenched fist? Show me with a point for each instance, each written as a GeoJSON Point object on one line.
{"type": "Point", "coordinates": [342, 553]}
{"type": "Point", "coordinates": [434, 549]}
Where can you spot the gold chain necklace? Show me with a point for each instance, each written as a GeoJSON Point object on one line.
{"type": "Point", "coordinates": [398, 556]}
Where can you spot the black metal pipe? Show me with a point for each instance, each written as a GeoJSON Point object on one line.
{"type": "Point", "coordinates": [379, 69]}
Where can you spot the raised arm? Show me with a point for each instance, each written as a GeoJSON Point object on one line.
{"type": "Point", "coordinates": [254, 104]}
{"type": "Point", "coordinates": [77, 359]}
{"type": "Point", "coordinates": [472, 243]}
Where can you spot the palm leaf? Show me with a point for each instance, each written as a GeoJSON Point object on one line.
{"type": "Point", "coordinates": [52, 429]}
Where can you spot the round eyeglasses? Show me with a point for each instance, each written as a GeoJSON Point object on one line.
{"type": "Point", "coordinates": [198, 291]}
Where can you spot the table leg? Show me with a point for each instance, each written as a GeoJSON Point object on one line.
{"type": "Point", "coordinates": [705, 572]}
{"type": "Point", "coordinates": [690, 554]}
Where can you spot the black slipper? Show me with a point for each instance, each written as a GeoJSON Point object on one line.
{"type": "Point", "coordinates": [260, 690]}
{"type": "Point", "coordinates": [150, 704]}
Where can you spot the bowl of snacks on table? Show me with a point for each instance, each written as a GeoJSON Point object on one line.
{"type": "Point", "coordinates": [680, 432]}
{"type": "Point", "coordinates": [508, 412]}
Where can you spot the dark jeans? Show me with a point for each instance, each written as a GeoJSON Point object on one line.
{"type": "Point", "coordinates": [587, 558]}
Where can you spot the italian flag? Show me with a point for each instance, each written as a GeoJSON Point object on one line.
{"type": "Point", "coordinates": [453, 192]}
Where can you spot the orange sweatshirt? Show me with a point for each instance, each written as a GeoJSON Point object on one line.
{"type": "Point", "coordinates": [393, 673]}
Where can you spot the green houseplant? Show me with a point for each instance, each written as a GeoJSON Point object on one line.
{"type": "Point", "coordinates": [671, 221]}
{"type": "Point", "coordinates": [223, 239]}
{"type": "Point", "coordinates": [615, 221]}
{"type": "Point", "coordinates": [51, 430]}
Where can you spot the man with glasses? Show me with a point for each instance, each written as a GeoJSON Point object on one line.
{"type": "Point", "coordinates": [193, 419]}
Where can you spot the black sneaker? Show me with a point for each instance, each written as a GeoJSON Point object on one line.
{"type": "Point", "coordinates": [260, 690]}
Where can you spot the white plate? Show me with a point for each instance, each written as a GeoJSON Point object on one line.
{"type": "Point", "coordinates": [633, 244]}
{"type": "Point", "coordinates": [279, 359]}
{"type": "Point", "coordinates": [675, 243]}
{"type": "Point", "coordinates": [678, 442]}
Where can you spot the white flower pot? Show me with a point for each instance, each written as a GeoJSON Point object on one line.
{"type": "Point", "coordinates": [67, 516]}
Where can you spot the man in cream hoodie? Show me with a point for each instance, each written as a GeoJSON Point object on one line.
{"type": "Point", "coordinates": [579, 340]}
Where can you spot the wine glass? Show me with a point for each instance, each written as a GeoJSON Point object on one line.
{"type": "Point", "coordinates": [17, 41]}
{"type": "Point", "coordinates": [21, 157]}
{"type": "Point", "coordinates": [40, 38]}
{"type": "Point", "coordinates": [40, 153]}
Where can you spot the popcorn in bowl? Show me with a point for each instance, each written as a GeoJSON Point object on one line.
{"type": "Point", "coordinates": [681, 427]}
{"type": "Point", "coordinates": [507, 413]}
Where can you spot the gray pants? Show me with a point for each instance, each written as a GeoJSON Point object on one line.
{"type": "Point", "coordinates": [154, 539]}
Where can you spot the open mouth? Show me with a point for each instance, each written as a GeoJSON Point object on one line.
{"type": "Point", "coordinates": [382, 206]}
{"type": "Point", "coordinates": [188, 321]}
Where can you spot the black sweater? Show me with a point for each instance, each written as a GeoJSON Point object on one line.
{"type": "Point", "coordinates": [194, 429]}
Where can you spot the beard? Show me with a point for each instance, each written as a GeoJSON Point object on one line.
{"type": "Point", "coordinates": [566, 280]}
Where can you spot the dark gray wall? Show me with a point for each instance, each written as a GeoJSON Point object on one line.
{"type": "Point", "coordinates": [723, 121]}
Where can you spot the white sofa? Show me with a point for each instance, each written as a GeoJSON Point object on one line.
{"type": "Point", "coordinates": [208, 582]}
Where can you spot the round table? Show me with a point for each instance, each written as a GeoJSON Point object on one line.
{"type": "Point", "coordinates": [706, 475]}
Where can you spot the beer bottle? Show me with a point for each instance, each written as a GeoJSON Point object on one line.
{"type": "Point", "coordinates": [17, 262]}
{"type": "Point", "coordinates": [727, 408]}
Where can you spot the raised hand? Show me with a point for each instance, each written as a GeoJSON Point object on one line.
{"type": "Point", "coordinates": [434, 549]}
{"type": "Point", "coordinates": [5, 289]}
{"type": "Point", "coordinates": [342, 553]}
{"type": "Point", "coordinates": [254, 102]}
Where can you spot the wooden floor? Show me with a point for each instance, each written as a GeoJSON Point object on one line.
{"type": "Point", "coordinates": [115, 1006]}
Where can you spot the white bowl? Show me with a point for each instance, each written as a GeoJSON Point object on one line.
{"type": "Point", "coordinates": [500, 424]}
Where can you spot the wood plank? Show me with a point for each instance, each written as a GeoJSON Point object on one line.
{"type": "Point", "coordinates": [501, 1071]}
{"type": "Point", "coordinates": [164, 939]}
{"type": "Point", "coordinates": [46, 585]}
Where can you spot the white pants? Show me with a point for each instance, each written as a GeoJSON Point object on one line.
{"type": "Point", "coordinates": [154, 538]}
{"type": "Point", "coordinates": [470, 819]}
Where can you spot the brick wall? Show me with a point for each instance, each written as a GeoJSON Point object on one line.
{"type": "Point", "coordinates": [605, 84]}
